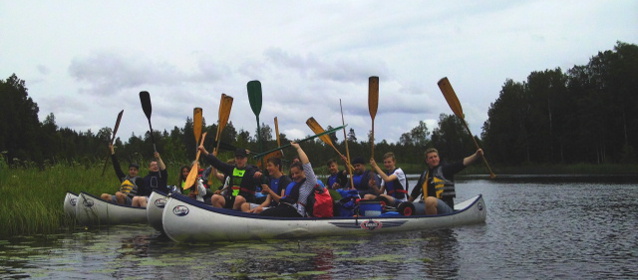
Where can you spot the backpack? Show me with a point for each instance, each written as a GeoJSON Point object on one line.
{"type": "Point", "coordinates": [320, 203]}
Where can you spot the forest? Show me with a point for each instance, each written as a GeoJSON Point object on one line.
{"type": "Point", "coordinates": [583, 115]}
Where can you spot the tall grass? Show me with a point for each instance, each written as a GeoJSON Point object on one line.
{"type": "Point", "coordinates": [31, 199]}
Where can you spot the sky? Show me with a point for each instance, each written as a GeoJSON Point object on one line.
{"type": "Point", "coordinates": [84, 61]}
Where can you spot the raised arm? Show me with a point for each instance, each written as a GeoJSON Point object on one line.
{"type": "Point", "coordinates": [473, 157]}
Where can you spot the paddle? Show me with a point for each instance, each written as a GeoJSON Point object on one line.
{"type": "Point", "coordinates": [145, 98]}
{"type": "Point", "coordinates": [277, 135]}
{"type": "Point", "coordinates": [317, 129]}
{"type": "Point", "coordinates": [299, 141]}
{"type": "Point", "coordinates": [254, 97]}
{"type": "Point", "coordinates": [455, 105]}
{"type": "Point", "coordinates": [115, 128]}
{"type": "Point", "coordinates": [197, 124]}
{"type": "Point", "coordinates": [345, 139]}
{"type": "Point", "coordinates": [192, 175]}
{"type": "Point", "coordinates": [225, 105]}
{"type": "Point", "coordinates": [373, 105]}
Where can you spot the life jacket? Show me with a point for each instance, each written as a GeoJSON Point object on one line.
{"type": "Point", "coordinates": [395, 188]}
{"type": "Point", "coordinates": [359, 182]}
{"type": "Point", "coordinates": [128, 186]}
{"type": "Point", "coordinates": [442, 187]}
{"type": "Point", "coordinates": [235, 182]}
{"type": "Point", "coordinates": [292, 192]}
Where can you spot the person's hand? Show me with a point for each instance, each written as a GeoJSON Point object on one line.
{"type": "Point", "coordinates": [218, 192]}
{"type": "Point", "coordinates": [258, 174]}
{"type": "Point", "coordinates": [295, 144]}
{"type": "Point", "coordinates": [156, 155]}
{"type": "Point", "coordinates": [265, 189]}
{"type": "Point", "coordinates": [479, 152]}
{"type": "Point", "coordinates": [373, 163]}
{"type": "Point", "coordinates": [202, 149]}
{"type": "Point", "coordinates": [257, 209]}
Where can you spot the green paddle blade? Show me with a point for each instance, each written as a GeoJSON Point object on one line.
{"type": "Point", "coordinates": [254, 96]}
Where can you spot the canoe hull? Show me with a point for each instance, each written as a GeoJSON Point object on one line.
{"type": "Point", "coordinates": [185, 220]}
{"type": "Point", "coordinates": [70, 200]}
{"type": "Point", "coordinates": [91, 210]}
{"type": "Point", "coordinates": [155, 208]}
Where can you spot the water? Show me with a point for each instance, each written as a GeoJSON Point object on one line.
{"type": "Point", "coordinates": [536, 228]}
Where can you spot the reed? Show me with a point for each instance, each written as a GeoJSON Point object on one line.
{"type": "Point", "coordinates": [31, 199]}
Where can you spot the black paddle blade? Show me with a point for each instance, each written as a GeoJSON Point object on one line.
{"type": "Point", "coordinates": [254, 96]}
{"type": "Point", "coordinates": [145, 97]}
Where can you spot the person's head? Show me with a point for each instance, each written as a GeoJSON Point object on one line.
{"type": "Point", "coordinates": [432, 157]}
{"type": "Point", "coordinates": [296, 172]}
{"type": "Point", "coordinates": [241, 158]}
{"type": "Point", "coordinates": [153, 166]}
{"type": "Point", "coordinates": [133, 169]}
{"type": "Point", "coordinates": [273, 165]}
{"type": "Point", "coordinates": [296, 159]}
{"type": "Point", "coordinates": [359, 165]}
{"type": "Point", "coordinates": [389, 161]}
{"type": "Point", "coordinates": [183, 172]}
{"type": "Point", "coordinates": [333, 167]}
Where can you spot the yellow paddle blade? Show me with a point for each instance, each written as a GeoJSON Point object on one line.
{"type": "Point", "coordinates": [225, 105]}
{"type": "Point", "coordinates": [317, 129]}
{"type": "Point", "coordinates": [451, 98]}
{"type": "Point", "coordinates": [197, 123]}
{"type": "Point", "coordinates": [192, 175]}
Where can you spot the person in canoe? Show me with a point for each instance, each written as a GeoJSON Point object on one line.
{"type": "Point", "coordinates": [293, 204]}
{"type": "Point", "coordinates": [277, 183]}
{"type": "Point", "coordinates": [438, 181]}
{"type": "Point", "coordinates": [394, 182]}
{"type": "Point", "coordinates": [365, 181]}
{"type": "Point", "coordinates": [129, 183]}
{"type": "Point", "coordinates": [243, 179]}
{"type": "Point", "coordinates": [338, 178]}
{"type": "Point", "coordinates": [157, 179]}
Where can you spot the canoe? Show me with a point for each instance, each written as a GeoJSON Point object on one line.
{"type": "Point", "coordinates": [154, 209]}
{"type": "Point", "coordinates": [70, 200]}
{"type": "Point", "coordinates": [91, 210]}
{"type": "Point", "coordinates": [189, 221]}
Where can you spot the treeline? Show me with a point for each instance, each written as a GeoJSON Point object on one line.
{"type": "Point", "coordinates": [584, 115]}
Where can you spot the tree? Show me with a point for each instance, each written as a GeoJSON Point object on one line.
{"type": "Point", "coordinates": [418, 136]}
{"type": "Point", "coordinates": [20, 125]}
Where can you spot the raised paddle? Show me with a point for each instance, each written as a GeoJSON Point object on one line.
{"type": "Point", "coordinates": [254, 97]}
{"type": "Point", "coordinates": [345, 139]}
{"type": "Point", "coordinates": [115, 128]}
{"type": "Point", "coordinates": [455, 105]}
{"type": "Point", "coordinates": [277, 135]}
{"type": "Point", "coordinates": [197, 124]}
{"type": "Point", "coordinates": [373, 105]}
{"type": "Point", "coordinates": [145, 98]}
{"type": "Point", "coordinates": [225, 105]}
{"type": "Point", "coordinates": [192, 175]}
{"type": "Point", "coordinates": [299, 141]}
{"type": "Point", "coordinates": [317, 129]}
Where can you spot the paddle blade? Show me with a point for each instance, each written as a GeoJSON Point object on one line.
{"type": "Point", "coordinates": [117, 125]}
{"type": "Point", "coordinates": [225, 105]}
{"type": "Point", "coordinates": [145, 98]}
{"type": "Point", "coordinates": [197, 123]}
{"type": "Point", "coordinates": [373, 95]}
{"type": "Point", "coordinates": [192, 175]}
{"type": "Point", "coordinates": [317, 129]}
{"type": "Point", "coordinates": [254, 96]}
{"type": "Point", "coordinates": [450, 97]}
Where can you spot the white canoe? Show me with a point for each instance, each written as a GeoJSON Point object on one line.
{"type": "Point", "coordinates": [186, 220]}
{"type": "Point", "coordinates": [70, 200]}
{"type": "Point", "coordinates": [155, 208]}
{"type": "Point", "coordinates": [91, 210]}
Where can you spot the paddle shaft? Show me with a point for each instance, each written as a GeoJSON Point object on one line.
{"type": "Point", "coordinates": [373, 105]}
{"type": "Point", "coordinates": [299, 141]}
{"type": "Point", "coordinates": [345, 139]}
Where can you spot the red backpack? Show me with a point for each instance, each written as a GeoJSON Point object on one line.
{"type": "Point", "coordinates": [320, 203]}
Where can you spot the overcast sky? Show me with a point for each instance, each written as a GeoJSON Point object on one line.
{"type": "Point", "coordinates": [84, 61]}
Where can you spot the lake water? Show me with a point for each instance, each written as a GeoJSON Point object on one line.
{"type": "Point", "coordinates": [537, 228]}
